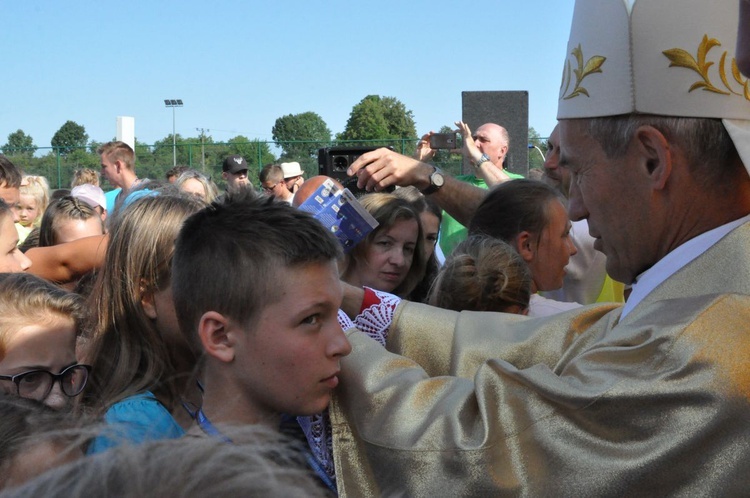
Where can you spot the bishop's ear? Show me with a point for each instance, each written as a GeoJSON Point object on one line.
{"type": "Point", "coordinates": [655, 154]}
{"type": "Point", "coordinates": [216, 335]}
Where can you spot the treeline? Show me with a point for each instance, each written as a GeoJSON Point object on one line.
{"type": "Point", "coordinates": [374, 121]}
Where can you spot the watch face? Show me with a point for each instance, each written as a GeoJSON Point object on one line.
{"type": "Point", "coordinates": [437, 179]}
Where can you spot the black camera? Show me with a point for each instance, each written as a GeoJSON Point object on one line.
{"type": "Point", "coordinates": [334, 161]}
{"type": "Point", "coordinates": [444, 141]}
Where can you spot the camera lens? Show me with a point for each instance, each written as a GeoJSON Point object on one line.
{"type": "Point", "coordinates": [340, 163]}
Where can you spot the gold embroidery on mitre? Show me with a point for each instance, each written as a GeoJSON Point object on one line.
{"type": "Point", "coordinates": [593, 65]}
{"type": "Point", "coordinates": [681, 58]}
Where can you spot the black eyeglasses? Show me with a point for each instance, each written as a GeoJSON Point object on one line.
{"type": "Point", "coordinates": [37, 384]}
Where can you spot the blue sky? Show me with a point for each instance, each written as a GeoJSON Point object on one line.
{"type": "Point", "coordinates": [239, 65]}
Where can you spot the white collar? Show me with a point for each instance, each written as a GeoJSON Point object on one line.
{"type": "Point", "coordinates": [674, 261]}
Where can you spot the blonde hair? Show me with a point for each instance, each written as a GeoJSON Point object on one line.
{"type": "Point", "coordinates": [38, 188]}
{"type": "Point", "coordinates": [209, 187]}
{"type": "Point", "coordinates": [388, 209]}
{"type": "Point", "coordinates": [118, 151]}
{"type": "Point", "coordinates": [27, 299]}
{"type": "Point", "coordinates": [482, 274]}
{"type": "Point", "coordinates": [85, 176]}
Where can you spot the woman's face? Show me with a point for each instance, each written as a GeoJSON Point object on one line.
{"type": "Point", "coordinates": [430, 230]}
{"type": "Point", "coordinates": [553, 250]}
{"type": "Point", "coordinates": [70, 230]}
{"type": "Point", "coordinates": [193, 186]}
{"type": "Point", "coordinates": [388, 258]}
{"type": "Point", "coordinates": [28, 210]}
{"type": "Point", "coordinates": [49, 345]}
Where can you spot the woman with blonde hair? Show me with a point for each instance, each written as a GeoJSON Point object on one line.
{"type": "Point", "coordinates": [141, 360]}
{"type": "Point", "coordinates": [483, 274]}
{"type": "Point", "coordinates": [198, 184]}
{"type": "Point", "coordinates": [391, 258]}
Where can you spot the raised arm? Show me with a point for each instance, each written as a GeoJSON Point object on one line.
{"type": "Point", "coordinates": [66, 262]}
{"type": "Point", "coordinates": [382, 168]}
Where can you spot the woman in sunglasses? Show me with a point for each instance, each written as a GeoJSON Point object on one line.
{"type": "Point", "coordinates": [39, 325]}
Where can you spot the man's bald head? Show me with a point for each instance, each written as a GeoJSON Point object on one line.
{"type": "Point", "coordinates": [493, 140]}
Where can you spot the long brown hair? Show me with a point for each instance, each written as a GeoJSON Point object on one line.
{"type": "Point", "coordinates": [128, 353]}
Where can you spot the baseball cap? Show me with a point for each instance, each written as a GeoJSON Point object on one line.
{"type": "Point", "coordinates": [234, 164]}
{"type": "Point", "coordinates": [91, 195]}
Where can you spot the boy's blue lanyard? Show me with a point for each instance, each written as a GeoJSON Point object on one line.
{"type": "Point", "coordinates": [209, 429]}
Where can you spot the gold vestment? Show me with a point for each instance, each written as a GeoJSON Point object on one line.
{"type": "Point", "coordinates": [577, 404]}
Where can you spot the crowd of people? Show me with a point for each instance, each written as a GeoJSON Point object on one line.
{"type": "Point", "coordinates": [582, 334]}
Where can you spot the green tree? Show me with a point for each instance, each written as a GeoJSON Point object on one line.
{"type": "Point", "coordinates": [70, 136]}
{"type": "Point", "coordinates": [255, 152]}
{"type": "Point", "coordinates": [536, 158]}
{"type": "Point", "coordinates": [19, 144]}
{"type": "Point", "coordinates": [292, 128]}
{"type": "Point", "coordinates": [383, 121]}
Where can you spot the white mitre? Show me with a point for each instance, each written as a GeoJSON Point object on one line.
{"type": "Point", "coordinates": [664, 57]}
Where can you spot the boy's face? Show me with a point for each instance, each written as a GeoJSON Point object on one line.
{"type": "Point", "coordinates": [289, 362]}
{"type": "Point", "coordinates": [12, 260]}
{"type": "Point", "coordinates": [11, 197]}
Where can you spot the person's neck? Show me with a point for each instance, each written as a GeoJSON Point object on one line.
{"type": "Point", "coordinates": [129, 180]}
{"type": "Point", "coordinates": [225, 403]}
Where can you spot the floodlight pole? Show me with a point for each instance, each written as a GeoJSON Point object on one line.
{"type": "Point", "coordinates": [173, 103]}
{"type": "Point", "coordinates": [203, 148]}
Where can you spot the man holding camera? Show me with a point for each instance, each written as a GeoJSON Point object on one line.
{"type": "Point", "coordinates": [486, 150]}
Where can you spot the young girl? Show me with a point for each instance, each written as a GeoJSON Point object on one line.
{"type": "Point", "coordinates": [430, 216]}
{"type": "Point", "coordinates": [34, 198]}
{"type": "Point", "coordinates": [141, 359]}
{"type": "Point", "coordinates": [68, 219]}
{"type": "Point", "coordinates": [39, 325]}
{"type": "Point", "coordinates": [483, 274]}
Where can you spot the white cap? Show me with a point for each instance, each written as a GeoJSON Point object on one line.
{"type": "Point", "coordinates": [291, 170]}
{"type": "Point", "coordinates": [662, 57]}
{"type": "Point", "coordinates": [90, 194]}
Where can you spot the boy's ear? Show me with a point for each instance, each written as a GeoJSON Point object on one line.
{"type": "Point", "coordinates": [217, 336]}
{"type": "Point", "coordinates": [524, 246]}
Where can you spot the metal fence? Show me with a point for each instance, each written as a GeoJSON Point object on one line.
{"type": "Point", "coordinates": [153, 161]}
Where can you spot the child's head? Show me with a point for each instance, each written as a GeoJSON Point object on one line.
{"type": "Point", "coordinates": [255, 285]}
{"type": "Point", "coordinates": [85, 176]}
{"type": "Point", "coordinates": [391, 258]}
{"type": "Point", "coordinates": [11, 258]}
{"type": "Point", "coordinates": [34, 197]}
{"type": "Point", "coordinates": [35, 438]}
{"type": "Point", "coordinates": [483, 274]}
{"type": "Point", "coordinates": [68, 219]}
{"type": "Point", "coordinates": [136, 337]}
{"type": "Point", "coordinates": [39, 325]}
